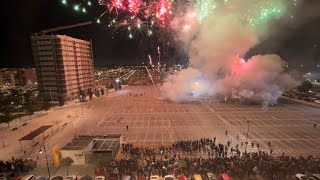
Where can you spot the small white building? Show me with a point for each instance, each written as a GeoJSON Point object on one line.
{"type": "Point", "coordinates": [90, 149]}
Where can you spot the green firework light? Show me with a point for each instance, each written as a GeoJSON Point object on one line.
{"type": "Point", "coordinates": [263, 13]}
{"type": "Point", "coordinates": [76, 7]}
{"type": "Point", "coordinates": [258, 13]}
{"type": "Point", "coordinates": [205, 8]}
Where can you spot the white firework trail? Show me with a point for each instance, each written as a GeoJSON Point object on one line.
{"type": "Point", "coordinates": [150, 61]}
{"type": "Point", "coordinates": [149, 75]}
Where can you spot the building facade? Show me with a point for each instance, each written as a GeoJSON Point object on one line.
{"type": "Point", "coordinates": [64, 66]}
{"type": "Point", "coordinates": [11, 78]}
{"type": "Point", "coordinates": [8, 78]}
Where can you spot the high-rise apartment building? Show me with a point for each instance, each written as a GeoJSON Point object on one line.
{"type": "Point", "coordinates": [64, 65]}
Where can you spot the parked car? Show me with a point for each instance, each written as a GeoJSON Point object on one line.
{"type": "Point", "coordinates": [197, 177]}
{"type": "Point", "coordinates": [141, 178]}
{"type": "Point", "coordinates": [155, 177]}
{"type": "Point", "coordinates": [211, 176]}
{"type": "Point", "coordinates": [99, 178]}
{"type": "Point", "coordinates": [70, 177]}
{"type": "Point", "coordinates": [29, 177]}
{"type": "Point", "coordinates": [300, 177]}
{"type": "Point", "coordinates": [126, 178]}
{"type": "Point", "coordinates": [225, 176]}
{"type": "Point", "coordinates": [315, 176]}
{"type": "Point", "coordinates": [57, 178]}
{"type": "Point", "coordinates": [86, 177]}
{"type": "Point", "coordinates": [169, 177]}
{"type": "Point", "coordinates": [3, 177]}
{"type": "Point", "coordinates": [42, 178]}
{"type": "Point", "coordinates": [183, 178]}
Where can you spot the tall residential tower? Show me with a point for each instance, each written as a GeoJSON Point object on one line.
{"type": "Point", "coordinates": [64, 65]}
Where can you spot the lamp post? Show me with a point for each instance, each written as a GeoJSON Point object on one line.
{"type": "Point", "coordinates": [45, 153]}
{"type": "Point", "coordinates": [245, 149]}
{"type": "Point", "coordinates": [117, 81]}
{"type": "Point", "coordinates": [81, 105]}
{"type": "Point", "coordinates": [82, 110]}
{"type": "Point", "coordinates": [161, 152]}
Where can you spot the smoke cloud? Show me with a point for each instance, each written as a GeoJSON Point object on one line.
{"type": "Point", "coordinates": [216, 47]}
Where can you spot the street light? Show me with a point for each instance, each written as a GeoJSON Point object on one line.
{"type": "Point", "coordinates": [245, 149]}
{"type": "Point", "coordinates": [161, 152]}
{"type": "Point", "coordinates": [117, 81]}
{"type": "Point", "coordinates": [45, 153]}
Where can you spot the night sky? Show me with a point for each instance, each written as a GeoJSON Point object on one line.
{"type": "Point", "coordinates": [296, 41]}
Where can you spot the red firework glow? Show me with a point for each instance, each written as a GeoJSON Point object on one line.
{"type": "Point", "coordinates": [118, 4]}
{"type": "Point", "coordinates": [133, 6]}
{"type": "Point", "coordinates": [162, 10]}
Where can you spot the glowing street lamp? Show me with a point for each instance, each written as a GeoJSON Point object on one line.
{"type": "Point", "coordinates": [117, 81]}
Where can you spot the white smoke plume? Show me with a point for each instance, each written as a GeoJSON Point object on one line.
{"type": "Point", "coordinates": [215, 47]}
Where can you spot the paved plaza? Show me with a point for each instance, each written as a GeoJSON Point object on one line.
{"type": "Point", "coordinates": [151, 121]}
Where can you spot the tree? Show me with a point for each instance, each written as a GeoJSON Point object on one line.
{"type": "Point", "coordinates": [97, 92]}
{"type": "Point", "coordinates": [27, 96]}
{"type": "Point", "coordinates": [306, 86]}
{"type": "Point", "coordinates": [82, 95]}
{"type": "Point", "coordinates": [61, 101]}
{"type": "Point", "coordinates": [90, 93]}
{"type": "Point", "coordinates": [102, 91]}
{"type": "Point", "coordinates": [46, 105]}
{"type": "Point", "coordinates": [7, 110]}
{"type": "Point", "coordinates": [66, 162]}
{"type": "Point", "coordinates": [14, 96]}
{"type": "Point", "coordinates": [29, 109]}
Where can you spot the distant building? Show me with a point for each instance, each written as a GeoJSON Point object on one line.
{"type": "Point", "coordinates": [8, 78]}
{"type": "Point", "coordinates": [29, 76]}
{"type": "Point", "coordinates": [64, 65]}
{"type": "Point", "coordinates": [17, 77]}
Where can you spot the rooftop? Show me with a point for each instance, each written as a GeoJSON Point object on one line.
{"type": "Point", "coordinates": [106, 142]}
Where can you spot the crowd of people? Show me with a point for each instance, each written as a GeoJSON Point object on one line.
{"type": "Point", "coordinates": [214, 157]}
{"type": "Point", "coordinates": [136, 95]}
{"type": "Point", "coordinates": [17, 165]}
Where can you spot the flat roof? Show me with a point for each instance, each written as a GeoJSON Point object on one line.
{"type": "Point", "coordinates": [99, 142]}
{"type": "Point", "coordinates": [35, 133]}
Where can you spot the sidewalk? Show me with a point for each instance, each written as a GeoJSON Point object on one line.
{"type": "Point", "coordinates": [25, 119]}
{"type": "Point", "coordinates": [78, 170]}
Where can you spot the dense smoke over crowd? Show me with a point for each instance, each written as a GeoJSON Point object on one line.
{"type": "Point", "coordinates": [215, 48]}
